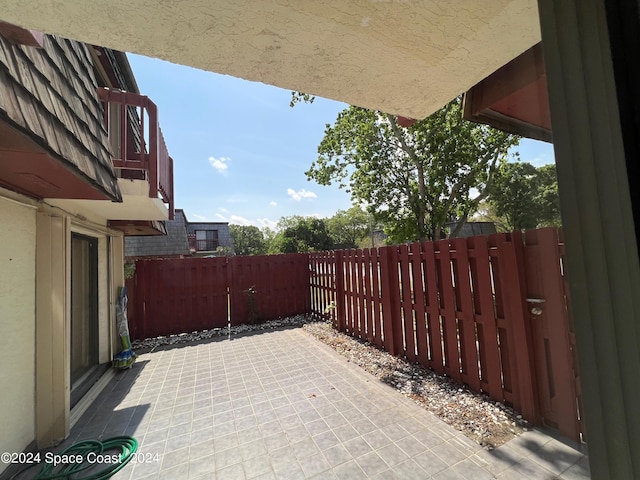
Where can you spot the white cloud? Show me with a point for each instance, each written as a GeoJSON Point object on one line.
{"type": "Point", "coordinates": [267, 222]}
{"type": "Point", "coordinates": [239, 220]}
{"type": "Point", "coordinates": [541, 160]}
{"type": "Point", "coordinates": [300, 194]}
{"type": "Point", "coordinates": [221, 217]}
{"type": "Point", "coordinates": [199, 217]}
{"type": "Point", "coordinates": [220, 164]}
{"type": "Point", "coordinates": [272, 203]}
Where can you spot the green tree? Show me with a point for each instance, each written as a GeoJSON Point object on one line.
{"type": "Point", "coordinates": [413, 179]}
{"type": "Point", "coordinates": [512, 195]}
{"type": "Point", "coordinates": [348, 227]}
{"type": "Point", "coordinates": [268, 234]}
{"type": "Point", "coordinates": [523, 196]}
{"type": "Point", "coordinates": [547, 197]}
{"type": "Point", "coordinates": [248, 240]}
{"type": "Point", "coordinates": [487, 213]}
{"type": "Point", "coordinates": [301, 234]}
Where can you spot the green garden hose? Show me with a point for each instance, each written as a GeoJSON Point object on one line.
{"type": "Point", "coordinates": [89, 455]}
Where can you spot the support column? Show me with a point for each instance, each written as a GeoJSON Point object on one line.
{"type": "Point", "coordinates": [52, 330]}
{"type": "Point", "coordinates": [597, 214]}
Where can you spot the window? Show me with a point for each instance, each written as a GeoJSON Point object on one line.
{"type": "Point", "coordinates": [206, 240]}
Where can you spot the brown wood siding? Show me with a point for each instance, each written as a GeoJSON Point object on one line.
{"type": "Point", "coordinates": [50, 94]}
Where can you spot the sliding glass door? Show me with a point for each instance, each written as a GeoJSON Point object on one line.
{"type": "Point", "coordinates": [84, 313]}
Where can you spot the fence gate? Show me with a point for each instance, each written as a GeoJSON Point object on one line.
{"type": "Point", "coordinates": [548, 306]}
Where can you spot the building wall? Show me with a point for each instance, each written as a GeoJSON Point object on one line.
{"type": "Point", "coordinates": [35, 316]}
{"type": "Point", "coordinates": [53, 329]}
{"type": "Point", "coordinates": [17, 305]}
{"type": "Point", "coordinates": [53, 315]}
{"type": "Point", "coordinates": [49, 105]}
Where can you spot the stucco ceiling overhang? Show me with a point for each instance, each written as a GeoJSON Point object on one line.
{"type": "Point", "coordinates": [406, 57]}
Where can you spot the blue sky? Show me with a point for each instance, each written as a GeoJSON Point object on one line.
{"type": "Point", "coordinates": [239, 150]}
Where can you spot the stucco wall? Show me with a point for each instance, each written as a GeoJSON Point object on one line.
{"type": "Point", "coordinates": [17, 342]}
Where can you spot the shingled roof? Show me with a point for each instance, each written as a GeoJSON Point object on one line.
{"type": "Point", "coordinates": [49, 94]}
{"type": "Point", "coordinates": [172, 244]}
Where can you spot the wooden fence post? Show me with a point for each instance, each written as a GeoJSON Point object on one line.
{"type": "Point", "coordinates": [448, 311]}
{"type": "Point", "coordinates": [307, 298]}
{"type": "Point", "coordinates": [391, 325]}
{"type": "Point", "coordinates": [434, 338]}
{"type": "Point", "coordinates": [419, 289]}
{"type": "Point", "coordinates": [465, 314]}
{"type": "Point", "coordinates": [551, 332]}
{"type": "Point", "coordinates": [339, 289]}
{"type": "Point", "coordinates": [512, 267]}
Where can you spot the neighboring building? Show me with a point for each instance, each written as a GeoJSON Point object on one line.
{"type": "Point", "coordinates": [78, 171]}
{"type": "Point", "coordinates": [378, 238]}
{"type": "Point", "coordinates": [209, 238]}
{"type": "Point", "coordinates": [472, 229]}
{"type": "Point", "coordinates": [183, 239]}
{"type": "Point", "coordinates": [172, 245]}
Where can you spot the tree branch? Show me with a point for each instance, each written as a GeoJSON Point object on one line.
{"type": "Point", "coordinates": [424, 204]}
{"type": "Point", "coordinates": [490, 175]}
{"type": "Point", "coordinates": [476, 201]}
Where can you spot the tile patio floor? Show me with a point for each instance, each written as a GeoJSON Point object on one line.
{"type": "Point", "coordinates": [281, 405]}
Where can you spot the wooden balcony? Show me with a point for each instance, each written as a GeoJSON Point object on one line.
{"type": "Point", "coordinates": [137, 143]}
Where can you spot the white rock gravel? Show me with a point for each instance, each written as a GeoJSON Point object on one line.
{"type": "Point", "coordinates": [487, 422]}
{"type": "Point", "coordinates": [152, 343]}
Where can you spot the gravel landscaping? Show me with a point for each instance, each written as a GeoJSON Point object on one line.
{"type": "Point", "coordinates": [485, 421]}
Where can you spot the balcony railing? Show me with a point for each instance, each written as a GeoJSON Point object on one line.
{"type": "Point", "coordinates": [137, 142]}
{"type": "Point", "coordinates": [206, 245]}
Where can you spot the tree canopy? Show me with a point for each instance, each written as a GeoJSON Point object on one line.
{"type": "Point", "coordinates": [416, 179]}
{"type": "Point", "coordinates": [301, 234]}
{"type": "Point", "coordinates": [345, 229]}
{"type": "Point", "coordinates": [523, 196]}
{"type": "Point", "coordinates": [348, 227]}
{"type": "Point", "coordinates": [248, 240]}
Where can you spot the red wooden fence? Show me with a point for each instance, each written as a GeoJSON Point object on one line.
{"type": "Point", "coordinates": [268, 287]}
{"type": "Point", "coordinates": [549, 307]}
{"type": "Point", "coordinates": [490, 312]}
{"type": "Point", "coordinates": [178, 296]}
{"type": "Point", "coordinates": [191, 294]}
{"type": "Point", "coordinates": [322, 281]}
